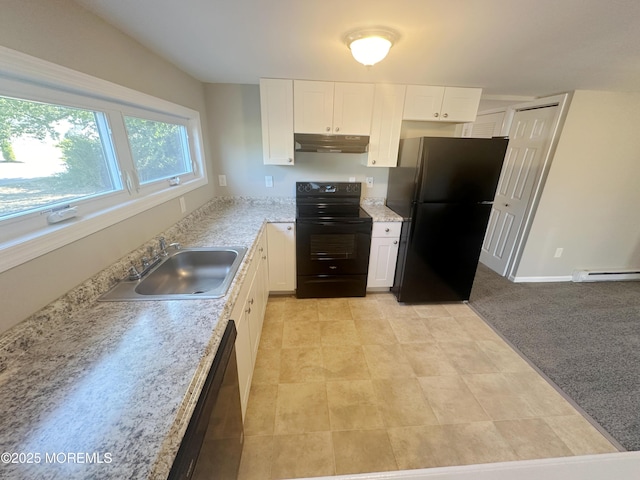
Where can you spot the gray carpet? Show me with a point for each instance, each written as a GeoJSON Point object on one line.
{"type": "Point", "coordinates": [584, 336]}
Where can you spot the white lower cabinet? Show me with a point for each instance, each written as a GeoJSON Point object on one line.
{"type": "Point", "coordinates": [281, 239]}
{"type": "Point", "coordinates": [243, 358]}
{"type": "Point", "coordinates": [385, 239]}
{"type": "Point", "coordinates": [248, 313]}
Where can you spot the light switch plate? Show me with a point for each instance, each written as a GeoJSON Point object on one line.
{"type": "Point", "coordinates": [222, 180]}
{"type": "Point", "coordinates": [369, 182]}
{"type": "Point", "coordinates": [352, 179]}
{"type": "Point", "coordinates": [268, 181]}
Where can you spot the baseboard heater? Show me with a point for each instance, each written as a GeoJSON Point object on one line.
{"type": "Point", "coordinates": [605, 275]}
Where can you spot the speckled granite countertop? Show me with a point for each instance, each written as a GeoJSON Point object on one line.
{"type": "Point", "coordinates": [105, 390]}
{"type": "Point", "coordinates": [381, 213]}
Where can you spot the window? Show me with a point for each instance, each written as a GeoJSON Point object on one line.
{"type": "Point", "coordinates": [72, 140]}
{"type": "Point", "coordinates": [160, 150]}
{"type": "Point", "coordinates": [52, 154]}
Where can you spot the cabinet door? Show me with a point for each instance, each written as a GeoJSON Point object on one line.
{"type": "Point", "coordinates": [254, 317]}
{"type": "Point", "coordinates": [460, 104]}
{"type": "Point", "coordinates": [386, 124]}
{"type": "Point", "coordinates": [244, 359]}
{"type": "Point", "coordinates": [382, 262]}
{"type": "Point", "coordinates": [352, 108]}
{"type": "Point", "coordinates": [262, 275]}
{"type": "Point", "coordinates": [313, 106]}
{"type": "Point", "coordinates": [423, 103]}
{"type": "Point", "coordinates": [281, 245]}
{"type": "Point", "coordinates": [276, 109]}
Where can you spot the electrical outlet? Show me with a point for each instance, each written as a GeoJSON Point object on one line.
{"type": "Point", "coordinates": [352, 179]}
{"type": "Point", "coordinates": [183, 205]}
{"type": "Point", "coordinates": [369, 182]}
{"type": "Point", "coordinates": [268, 181]}
{"type": "Point", "coordinates": [222, 180]}
{"type": "Point", "coordinates": [558, 253]}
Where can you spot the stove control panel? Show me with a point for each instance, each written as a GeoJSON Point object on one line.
{"type": "Point", "coordinates": [328, 189]}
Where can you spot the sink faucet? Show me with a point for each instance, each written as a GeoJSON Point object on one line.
{"type": "Point", "coordinates": [154, 258]}
{"type": "Point", "coordinates": [163, 246]}
{"type": "Point", "coordinates": [162, 243]}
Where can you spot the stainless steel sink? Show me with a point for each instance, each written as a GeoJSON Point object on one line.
{"type": "Point", "coordinates": [191, 273]}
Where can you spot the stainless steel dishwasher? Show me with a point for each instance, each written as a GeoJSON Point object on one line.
{"type": "Point", "coordinates": [212, 445]}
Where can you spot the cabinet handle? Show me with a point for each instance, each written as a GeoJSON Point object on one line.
{"type": "Point", "coordinates": [436, 114]}
{"type": "Point", "coordinates": [373, 162]}
{"type": "Point", "coordinates": [248, 311]}
{"type": "Point", "coordinates": [289, 228]}
{"type": "Point", "coordinates": [328, 129]}
{"type": "Point", "coordinates": [291, 160]}
{"type": "Point", "coordinates": [445, 115]}
{"type": "Point", "coordinates": [337, 129]}
{"type": "Point", "coordinates": [386, 229]}
{"type": "Point", "coordinates": [264, 257]}
{"type": "Point", "coordinates": [251, 302]}
{"type": "Point", "coordinates": [261, 249]}
{"type": "Point", "coordinates": [395, 242]}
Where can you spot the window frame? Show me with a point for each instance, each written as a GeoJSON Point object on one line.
{"type": "Point", "coordinates": [30, 78]}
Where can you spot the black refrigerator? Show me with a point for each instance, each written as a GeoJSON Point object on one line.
{"type": "Point", "coordinates": [443, 188]}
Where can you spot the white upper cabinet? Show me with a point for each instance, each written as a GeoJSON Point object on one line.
{"type": "Point", "coordinates": [276, 109]}
{"type": "Point", "coordinates": [386, 124]}
{"type": "Point", "coordinates": [441, 104]}
{"type": "Point", "coordinates": [332, 108]}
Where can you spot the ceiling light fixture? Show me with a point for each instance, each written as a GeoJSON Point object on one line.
{"type": "Point", "coordinates": [369, 46]}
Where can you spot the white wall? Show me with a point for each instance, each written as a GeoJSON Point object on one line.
{"type": "Point", "coordinates": [62, 32]}
{"type": "Point", "coordinates": [591, 199]}
{"type": "Point", "coordinates": [236, 139]}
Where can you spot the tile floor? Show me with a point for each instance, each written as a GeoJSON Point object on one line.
{"type": "Point", "coordinates": [365, 384]}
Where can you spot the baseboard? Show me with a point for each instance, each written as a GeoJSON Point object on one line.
{"type": "Point", "coordinates": [378, 289]}
{"type": "Point", "coordinates": [563, 278]}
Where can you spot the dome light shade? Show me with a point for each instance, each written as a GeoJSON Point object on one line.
{"type": "Point", "coordinates": [370, 46]}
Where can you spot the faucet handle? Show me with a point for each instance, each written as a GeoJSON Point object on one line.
{"type": "Point", "coordinates": [133, 273]}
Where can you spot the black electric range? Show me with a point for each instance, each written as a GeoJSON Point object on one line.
{"type": "Point", "coordinates": [333, 240]}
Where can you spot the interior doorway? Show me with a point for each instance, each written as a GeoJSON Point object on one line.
{"type": "Point", "coordinates": [532, 138]}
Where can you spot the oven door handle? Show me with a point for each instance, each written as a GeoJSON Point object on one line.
{"type": "Point", "coordinates": [332, 223]}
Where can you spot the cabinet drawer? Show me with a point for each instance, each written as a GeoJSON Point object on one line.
{"type": "Point", "coordinates": [386, 229]}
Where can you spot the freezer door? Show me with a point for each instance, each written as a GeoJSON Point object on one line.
{"type": "Point", "coordinates": [441, 253]}
{"type": "Point", "coordinates": [461, 169]}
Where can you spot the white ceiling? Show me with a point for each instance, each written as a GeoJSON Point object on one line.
{"type": "Point", "coordinates": [508, 47]}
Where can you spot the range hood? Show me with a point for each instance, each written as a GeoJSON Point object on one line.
{"type": "Point", "coordinates": [308, 142]}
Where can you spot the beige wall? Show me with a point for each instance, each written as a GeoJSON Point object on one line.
{"type": "Point", "coordinates": [591, 200]}
{"type": "Point", "coordinates": [236, 138]}
{"type": "Point", "coordinates": [62, 32]}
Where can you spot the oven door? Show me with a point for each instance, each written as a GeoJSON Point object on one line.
{"type": "Point", "coordinates": [332, 247]}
